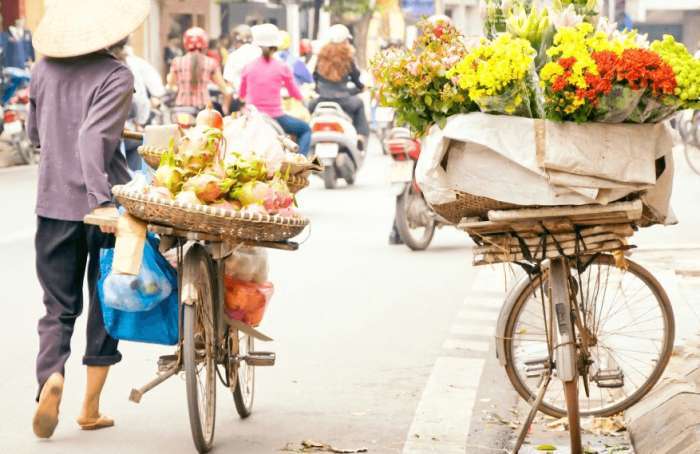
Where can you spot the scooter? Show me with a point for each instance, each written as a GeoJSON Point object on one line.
{"type": "Point", "coordinates": [336, 144]}
{"type": "Point", "coordinates": [382, 124]}
{"type": "Point", "coordinates": [14, 131]}
{"type": "Point", "coordinates": [414, 219]}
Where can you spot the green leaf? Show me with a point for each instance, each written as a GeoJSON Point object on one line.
{"type": "Point", "coordinates": [428, 100]}
{"type": "Point", "coordinates": [546, 448]}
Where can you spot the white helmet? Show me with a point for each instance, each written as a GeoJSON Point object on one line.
{"type": "Point", "coordinates": [338, 33]}
{"type": "Point", "coordinates": [266, 35]}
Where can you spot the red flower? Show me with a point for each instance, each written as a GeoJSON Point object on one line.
{"type": "Point", "coordinates": [642, 69]}
{"type": "Point", "coordinates": [567, 62]}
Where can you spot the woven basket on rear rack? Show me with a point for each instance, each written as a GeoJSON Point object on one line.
{"type": "Point", "coordinates": [202, 218]}
{"type": "Point", "coordinates": [151, 155]}
{"type": "Point", "coordinates": [470, 206]}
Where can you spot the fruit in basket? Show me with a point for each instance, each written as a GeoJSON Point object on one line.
{"type": "Point", "coordinates": [277, 197]}
{"type": "Point", "coordinates": [207, 187]}
{"type": "Point", "coordinates": [251, 193]}
{"type": "Point", "coordinates": [198, 147]}
{"type": "Point", "coordinates": [210, 118]}
{"type": "Point", "coordinates": [188, 197]}
{"type": "Point", "coordinates": [168, 175]}
{"type": "Point", "coordinates": [160, 192]}
{"type": "Point", "coordinates": [231, 205]}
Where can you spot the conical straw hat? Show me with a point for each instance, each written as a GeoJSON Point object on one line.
{"type": "Point", "coordinates": [77, 27]}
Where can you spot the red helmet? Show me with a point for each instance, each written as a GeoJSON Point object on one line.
{"type": "Point", "coordinates": [195, 39]}
{"type": "Point", "coordinates": [304, 47]}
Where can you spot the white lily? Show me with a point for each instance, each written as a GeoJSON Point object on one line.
{"type": "Point", "coordinates": [566, 18]}
{"type": "Point", "coordinates": [607, 27]}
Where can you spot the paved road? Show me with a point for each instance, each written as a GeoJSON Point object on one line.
{"type": "Point", "coordinates": [378, 347]}
{"type": "Point", "coordinates": [358, 326]}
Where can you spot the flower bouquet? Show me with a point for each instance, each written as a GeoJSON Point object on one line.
{"type": "Point", "coordinates": [499, 77]}
{"type": "Point", "coordinates": [415, 83]}
{"type": "Point", "coordinates": [686, 69]}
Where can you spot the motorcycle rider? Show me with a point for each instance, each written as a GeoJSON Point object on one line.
{"type": "Point", "coordinates": [302, 75]}
{"type": "Point", "coordinates": [334, 69]}
{"type": "Point", "coordinates": [192, 73]}
{"type": "Point", "coordinates": [148, 89]}
{"type": "Point", "coordinates": [263, 79]}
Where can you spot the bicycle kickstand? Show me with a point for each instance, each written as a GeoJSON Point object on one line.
{"type": "Point", "coordinates": [533, 411]}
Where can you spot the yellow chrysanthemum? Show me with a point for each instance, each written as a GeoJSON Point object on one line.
{"type": "Point", "coordinates": [493, 67]}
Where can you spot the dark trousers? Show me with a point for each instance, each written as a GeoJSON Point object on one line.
{"type": "Point", "coordinates": [64, 250]}
{"type": "Point", "coordinates": [351, 105]}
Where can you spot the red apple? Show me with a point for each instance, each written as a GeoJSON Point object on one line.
{"type": "Point", "coordinates": [211, 118]}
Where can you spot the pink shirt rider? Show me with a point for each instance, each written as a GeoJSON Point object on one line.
{"type": "Point", "coordinates": [261, 83]}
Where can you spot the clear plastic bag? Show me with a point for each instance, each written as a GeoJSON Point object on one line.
{"type": "Point", "coordinates": [247, 301]}
{"type": "Point", "coordinates": [129, 293]}
{"type": "Point", "coordinates": [521, 99]}
{"type": "Point", "coordinates": [247, 264]}
{"type": "Point", "coordinates": [652, 109]}
{"type": "Point", "coordinates": [253, 134]}
{"type": "Point", "coordinates": [616, 106]}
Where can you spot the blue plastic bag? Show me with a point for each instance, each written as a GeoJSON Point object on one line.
{"type": "Point", "coordinates": [148, 312]}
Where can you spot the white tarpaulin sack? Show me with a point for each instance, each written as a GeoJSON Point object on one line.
{"type": "Point", "coordinates": [530, 162]}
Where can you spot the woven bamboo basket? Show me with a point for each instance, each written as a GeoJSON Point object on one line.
{"type": "Point", "coordinates": [206, 219]}
{"type": "Point", "coordinates": [470, 206]}
{"type": "Point", "coordinates": [151, 155]}
{"type": "Point", "coordinates": [296, 183]}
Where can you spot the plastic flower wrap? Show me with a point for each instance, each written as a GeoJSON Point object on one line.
{"type": "Point", "coordinates": [588, 77]}
{"type": "Point", "coordinates": [644, 71]}
{"type": "Point", "coordinates": [415, 83]}
{"type": "Point", "coordinates": [499, 76]}
{"type": "Point", "coordinates": [685, 67]}
{"type": "Point", "coordinates": [493, 15]}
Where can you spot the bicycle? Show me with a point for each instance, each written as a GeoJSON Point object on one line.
{"type": "Point", "coordinates": [687, 124]}
{"type": "Point", "coordinates": [584, 313]}
{"type": "Point", "coordinates": [210, 344]}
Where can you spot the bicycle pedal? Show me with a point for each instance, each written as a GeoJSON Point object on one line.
{"type": "Point", "coordinates": [260, 358]}
{"type": "Point", "coordinates": [610, 378]}
{"type": "Point", "coordinates": [165, 362]}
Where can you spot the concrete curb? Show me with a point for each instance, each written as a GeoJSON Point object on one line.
{"type": "Point", "coordinates": [667, 421]}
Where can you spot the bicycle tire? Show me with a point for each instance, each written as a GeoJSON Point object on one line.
{"type": "Point", "coordinates": [197, 274]}
{"type": "Point", "coordinates": [689, 148]}
{"type": "Point", "coordinates": [244, 391]}
{"type": "Point", "coordinates": [665, 353]}
{"type": "Point", "coordinates": [403, 225]}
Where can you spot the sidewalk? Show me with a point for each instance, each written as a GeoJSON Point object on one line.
{"type": "Point", "coordinates": [667, 421]}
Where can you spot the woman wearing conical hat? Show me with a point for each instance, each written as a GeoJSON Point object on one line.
{"type": "Point", "coordinates": [80, 98]}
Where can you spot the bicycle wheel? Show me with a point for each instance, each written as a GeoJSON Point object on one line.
{"type": "Point", "coordinates": [244, 375]}
{"type": "Point", "coordinates": [630, 322]}
{"type": "Point", "coordinates": [692, 156]}
{"type": "Point", "coordinates": [414, 221]}
{"type": "Point", "coordinates": [198, 349]}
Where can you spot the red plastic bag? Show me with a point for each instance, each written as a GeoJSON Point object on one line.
{"type": "Point", "coordinates": [247, 301]}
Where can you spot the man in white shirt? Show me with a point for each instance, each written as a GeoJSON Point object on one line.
{"type": "Point", "coordinates": [245, 52]}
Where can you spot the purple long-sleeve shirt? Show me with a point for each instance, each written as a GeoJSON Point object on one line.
{"type": "Point", "coordinates": [78, 107]}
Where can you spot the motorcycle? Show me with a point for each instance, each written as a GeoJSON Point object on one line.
{"type": "Point", "coordinates": [14, 132]}
{"type": "Point", "coordinates": [336, 144]}
{"type": "Point", "coordinates": [383, 123]}
{"type": "Point", "coordinates": [414, 219]}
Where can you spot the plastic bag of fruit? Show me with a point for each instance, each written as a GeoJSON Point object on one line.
{"type": "Point", "coordinates": [246, 301]}
{"type": "Point", "coordinates": [247, 264]}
